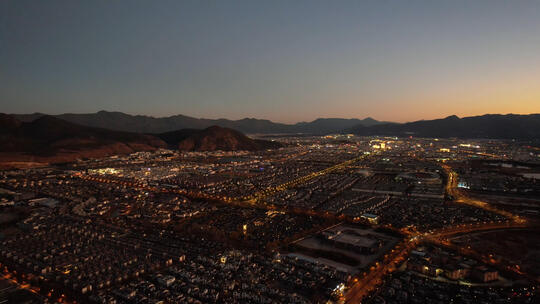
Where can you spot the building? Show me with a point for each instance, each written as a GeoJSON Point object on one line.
{"type": "Point", "coordinates": [485, 274]}
{"type": "Point", "coordinates": [166, 281]}
{"type": "Point", "coordinates": [457, 272]}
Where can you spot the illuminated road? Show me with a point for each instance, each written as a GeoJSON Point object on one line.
{"type": "Point", "coordinates": [460, 197]}
{"type": "Point", "coordinates": [366, 283]}
{"type": "Point", "coordinates": [141, 186]}
{"type": "Point", "coordinates": [486, 259]}
{"type": "Point", "coordinates": [12, 278]}
{"type": "Point", "coordinates": [255, 198]}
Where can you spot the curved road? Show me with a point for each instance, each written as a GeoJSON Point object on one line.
{"type": "Point", "coordinates": [366, 283]}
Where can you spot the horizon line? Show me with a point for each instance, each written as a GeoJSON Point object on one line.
{"type": "Point", "coordinates": [273, 121]}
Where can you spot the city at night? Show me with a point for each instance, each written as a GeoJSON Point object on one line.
{"type": "Point", "coordinates": [376, 152]}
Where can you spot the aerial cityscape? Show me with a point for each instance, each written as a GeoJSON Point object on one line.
{"type": "Point", "coordinates": [134, 172]}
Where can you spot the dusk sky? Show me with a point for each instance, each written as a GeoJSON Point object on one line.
{"type": "Point", "coordinates": [287, 61]}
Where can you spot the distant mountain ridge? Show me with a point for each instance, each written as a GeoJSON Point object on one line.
{"type": "Point", "coordinates": [485, 126]}
{"type": "Point", "coordinates": [146, 124]}
{"type": "Point", "coordinates": [496, 126]}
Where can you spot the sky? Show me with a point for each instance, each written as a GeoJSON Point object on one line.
{"type": "Point", "coordinates": [287, 61]}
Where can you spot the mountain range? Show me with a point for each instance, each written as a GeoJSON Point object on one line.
{"type": "Point", "coordinates": [507, 126]}
{"type": "Point", "coordinates": [51, 139]}
{"type": "Point", "coordinates": [495, 126]}
{"type": "Point", "coordinates": [147, 124]}
{"type": "Point", "coordinates": [58, 140]}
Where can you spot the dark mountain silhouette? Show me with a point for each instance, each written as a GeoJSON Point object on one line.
{"type": "Point", "coordinates": [174, 137]}
{"type": "Point", "coordinates": [332, 125]}
{"type": "Point", "coordinates": [48, 139]}
{"type": "Point", "coordinates": [8, 123]}
{"type": "Point", "coordinates": [54, 139]}
{"type": "Point", "coordinates": [146, 124]}
{"type": "Point", "coordinates": [214, 138]}
{"type": "Point", "coordinates": [510, 126]}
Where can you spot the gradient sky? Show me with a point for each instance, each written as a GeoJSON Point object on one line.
{"type": "Point", "coordinates": [286, 61]}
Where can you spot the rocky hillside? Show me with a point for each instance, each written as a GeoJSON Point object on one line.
{"type": "Point", "coordinates": [51, 139]}
{"type": "Point", "coordinates": [215, 138]}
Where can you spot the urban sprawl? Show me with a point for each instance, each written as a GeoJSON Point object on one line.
{"type": "Point", "coordinates": [327, 219]}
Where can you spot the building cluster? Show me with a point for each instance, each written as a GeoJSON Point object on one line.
{"type": "Point", "coordinates": [79, 255]}
{"type": "Point", "coordinates": [351, 248]}
{"type": "Point", "coordinates": [500, 177]}
{"type": "Point", "coordinates": [407, 287]}
{"type": "Point", "coordinates": [425, 214]}
{"type": "Point", "coordinates": [255, 228]}
{"type": "Point", "coordinates": [438, 262]}
{"type": "Point", "coordinates": [233, 277]}
{"type": "Point", "coordinates": [206, 227]}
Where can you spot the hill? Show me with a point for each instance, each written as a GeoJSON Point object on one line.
{"type": "Point", "coordinates": [510, 126]}
{"type": "Point", "coordinates": [50, 139]}
{"type": "Point", "coordinates": [214, 138]}
{"type": "Point", "coordinates": [146, 124]}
